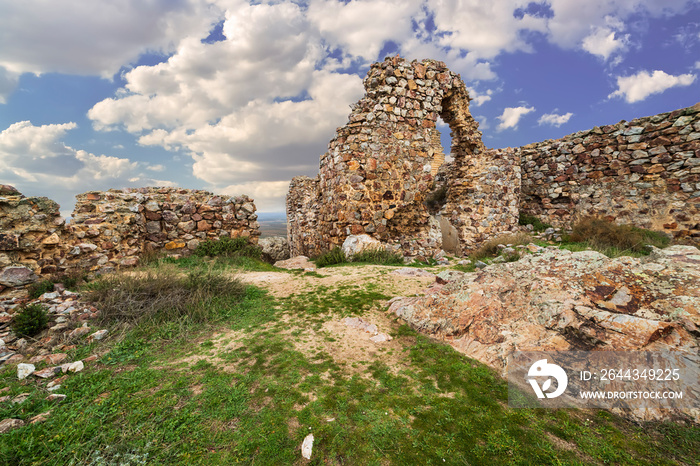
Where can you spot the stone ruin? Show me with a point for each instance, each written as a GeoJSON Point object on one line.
{"type": "Point", "coordinates": [384, 173]}
{"type": "Point", "coordinates": [378, 175]}
{"type": "Point", "coordinates": [112, 229]}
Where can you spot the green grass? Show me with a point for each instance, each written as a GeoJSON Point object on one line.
{"type": "Point", "coordinates": [613, 240]}
{"type": "Point", "coordinates": [336, 256]}
{"type": "Point", "coordinates": [159, 396]}
{"type": "Point", "coordinates": [537, 224]}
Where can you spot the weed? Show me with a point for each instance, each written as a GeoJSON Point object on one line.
{"type": "Point", "coordinates": [161, 295]}
{"type": "Point", "coordinates": [490, 248]}
{"type": "Point", "coordinates": [30, 320]}
{"type": "Point", "coordinates": [379, 256]}
{"type": "Point", "coordinates": [606, 236]}
{"type": "Point", "coordinates": [537, 224]}
{"type": "Point", "coordinates": [229, 247]}
{"type": "Point", "coordinates": [332, 257]}
{"type": "Point", "coordinates": [36, 289]}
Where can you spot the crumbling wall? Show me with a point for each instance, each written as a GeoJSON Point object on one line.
{"type": "Point", "coordinates": [302, 217]}
{"type": "Point", "coordinates": [112, 229]}
{"type": "Point", "coordinates": [30, 232]}
{"type": "Point", "coordinates": [379, 167]}
{"type": "Point", "coordinates": [645, 172]}
{"type": "Point", "coordinates": [483, 196]}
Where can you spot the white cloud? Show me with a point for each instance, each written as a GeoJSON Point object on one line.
{"type": "Point", "coordinates": [697, 65]}
{"type": "Point", "coordinates": [603, 43]}
{"type": "Point", "coordinates": [155, 168]}
{"type": "Point", "coordinates": [36, 161]}
{"type": "Point", "coordinates": [643, 84]}
{"type": "Point", "coordinates": [511, 117]}
{"type": "Point", "coordinates": [361, 27]}
{"type": "Point", "coordinates": [478, 98]}
{"type": "Point", "coordinates": [554, 119]}
{"type": "Point", "coordinates": [258, 105]}
{"type": "Point", "coordinates": [268, 195]}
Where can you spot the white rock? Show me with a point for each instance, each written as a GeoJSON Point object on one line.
{"type": "Point", "coordinates": [307, 445]}
{"type": "Point", "coordinates": [355, 244]}
{"type": "Point", "coordinates": [77, 366]}
{"type": "Point", "coordinates": [24, 370]}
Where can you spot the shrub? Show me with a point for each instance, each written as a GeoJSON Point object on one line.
{"type": "Point", "coordinates": [30, 320]}
{"type": "Point", "coordinates": [332, 257]}
{"type": "Point", "coordinates": [230, 247]}
{"type": "Point", "coordinates": [161, 295]}
{"type": "Point", "coordinates": [603, 234]}
{"type": "Point", "coordinates": [490, 247]}
{"type": "Point", "coordinates": [537, 224]}
{"type": "Point", "coordinates": [36, 289]}
{"type": "Point", "coordinates": [379, 256]}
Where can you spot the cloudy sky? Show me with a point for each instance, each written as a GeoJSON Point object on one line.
{"type": "Point", "coordinates": [239, 97]}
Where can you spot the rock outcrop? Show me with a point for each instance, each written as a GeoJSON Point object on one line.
{"type": "Point", "coordinates": [557, 300]}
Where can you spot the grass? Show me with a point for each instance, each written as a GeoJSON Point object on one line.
{"type": "Point", "coordinates": [377, 256]}
{"type": "Point", "coordinates": [612, 239]}
{"type": "Point", "coordinates": [537, 224]}
{"type": "Point", "coordinates": [264, 373]}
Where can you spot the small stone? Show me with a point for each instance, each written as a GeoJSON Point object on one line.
{"type": "Point", "coordinates": [48, 372]}
{"type": "Point", "coordinates": [40, 417]}
{"type": "Point", "coordinates": [7, 425]}
{"type": "Point", "coordinates": [307, 446]}
{"type": "Point", "coordinates": [99, 335]}
{"type": "Point", "coordinates": [24, 370]}
{"type": "Point", "coordinates": [77, 366]}
{"type": "Point", "coordinates": [79, 332]}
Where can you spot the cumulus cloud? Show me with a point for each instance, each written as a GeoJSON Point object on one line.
{"type": "Point", "coordinates": [603, 43]}
{"type": "Point", "coordinates": [258, 105]}
{"type": "Point", "coordinates": [35, 160]}
{"type": "Point", "coordinates": [511, 117]}
{"type": "Point", "coordinates": [643, 84]}
{"type": "Point", "coordinates": [268, 195]}
{"type": "Point", "coordinates": [554, 119]}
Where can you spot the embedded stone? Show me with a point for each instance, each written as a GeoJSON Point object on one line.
{"type": "Point", "coordinates": [14, 276]}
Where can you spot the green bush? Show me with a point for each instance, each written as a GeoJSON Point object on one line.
{"type": "Point", "coordinates": [332, 257]}
{"type": "Point", "coordinates": [36, 289]}
{"type": "Point", "coordinates": [537, 224]}
{"type": "Point", "coordinates": [230, 247]}
{"type": "Point", "coordinates": [30, 320]}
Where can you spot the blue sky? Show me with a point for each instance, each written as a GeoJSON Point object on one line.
{"type": "Point", "coordinates": [239, 97]}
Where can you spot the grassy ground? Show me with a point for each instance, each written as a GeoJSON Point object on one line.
{"type": "Point", "coordinates": [260, 372]}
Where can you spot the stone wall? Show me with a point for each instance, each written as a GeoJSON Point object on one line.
{"type": "Point", "coordinates": [303, 205]}
{"type": "Point", "coordinates": [645, 172]}
{"type": "Point", "coordinates": [30, 235]}
{"type": "Point", "coordinates": [112, 229]}
{"type": "Point", "coordinates": [379, 167]}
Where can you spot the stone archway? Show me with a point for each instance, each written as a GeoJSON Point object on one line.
{"type": "Point", "coordinates": [379, 167]}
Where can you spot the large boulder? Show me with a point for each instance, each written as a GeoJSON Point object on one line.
{"type": "Point", "coordinates": [17, 275]}
{"type": "Point", "coordinates": [274, 248]}
{"type": "Point", "coordinates": [298, 262]}
{"type": "Point", "coordinates": [564, 301]}
{"type": "Point", "coordinates": [355, 244]}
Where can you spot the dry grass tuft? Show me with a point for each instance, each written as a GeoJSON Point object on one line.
{"type": "Point", "coordinates": [602, 234]}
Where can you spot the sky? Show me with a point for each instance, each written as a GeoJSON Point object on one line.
{"type": "Point", "coordinates": [238, 97]}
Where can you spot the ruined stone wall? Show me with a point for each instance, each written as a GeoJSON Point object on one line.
{"type": "Point", "coordinates": [30, 232]}
{"type": "Point", "coordinates": [302, 217]}
{"type": "Point", "coordinates": [645, 172]}
{"type": "Point", "coordinates": [112, 229]}
{"type": "Point", "coordinates": [379, 167]}
{"type": "Point", "coordinates": [483, 197]}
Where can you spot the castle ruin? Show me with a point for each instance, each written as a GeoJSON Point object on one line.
{"type": "Point", "coordinates": [381, 173]}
